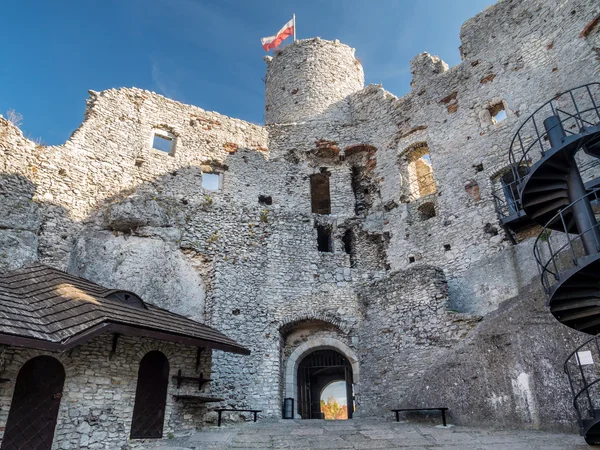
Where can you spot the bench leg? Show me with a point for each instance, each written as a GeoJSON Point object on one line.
{"type": "Point", "coordinates": [219, 420]}
{"type": "Point", "coordinates": [255, 416]}
{"type": "Point", "coordinates": [444, 416]}
{"type": "Point", "coordinates": [397, 416]}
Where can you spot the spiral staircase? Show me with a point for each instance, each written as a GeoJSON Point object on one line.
{"type": "Point", "coordinates": [547, 155]}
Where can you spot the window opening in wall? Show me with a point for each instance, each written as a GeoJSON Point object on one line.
{"type": "Point", "coordinates": [347, 240]}
{"type": "Point", "coordinates": [265, 200]}
{"type": "Point", "coordinates": [420, 173]}
{"type": "Point", "coordinates": [497, 112]}
{"type": "Point", "coordinates": [447, 247]}
{"type": "Point", "coordinates": [212, 181]}
{"type": "Point", "coordinates": [411, 259]}
{"type": "Point", "coordinates": [359, 192]}
{"type": "Point", "coordinates": [324, 240]}
{"type": "Point", "coordinates": [426, 211]}
{"type": "Point", "coordinates": [163, 142]}
{"type": "Point", "coordinates": [319, 192]}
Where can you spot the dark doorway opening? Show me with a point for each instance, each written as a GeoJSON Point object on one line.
{"type": "Point", "coordinates": [150, 396]}
{"type": "Point", "coordinates": [34, 409]}
{"type": "Point", "coordinates": [315, 372]}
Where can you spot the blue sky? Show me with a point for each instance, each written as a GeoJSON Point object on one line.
{"type": "Point", "coordinates": [201, 52]}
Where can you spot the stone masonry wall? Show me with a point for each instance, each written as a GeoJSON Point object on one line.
{"type": "Point", "coordinates": [509, 371]}
{"type": "Point", "coordinates": [406, 327]}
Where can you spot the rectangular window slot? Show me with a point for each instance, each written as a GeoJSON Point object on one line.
{"type": "Point", "coordinates": [324, 241]}
{"type": "Point", "coordinates": [212, 181]}
{"type": "Point", "coordinates": [319, 192]}
{"type": "Point", "coordinates": [163, 143]}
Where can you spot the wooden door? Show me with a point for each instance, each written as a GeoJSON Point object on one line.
{"type": "Point", "coordinates": [150, 396]}
{"type": "Point", "coordinates": [34, 409]}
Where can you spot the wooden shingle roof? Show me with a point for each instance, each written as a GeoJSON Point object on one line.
{"type": "Point", "coordinates": [45, 308]}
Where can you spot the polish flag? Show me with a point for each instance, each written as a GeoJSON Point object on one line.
{"type": "Point", "coordinates": [287, 30]}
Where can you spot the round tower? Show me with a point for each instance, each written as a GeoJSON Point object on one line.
{"type": "Point", "coordinates": [307, 77]}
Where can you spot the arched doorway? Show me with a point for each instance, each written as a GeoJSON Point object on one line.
{"type": "Point", "coordinates": [317, 370]}
{"type": "Point", "coordinates": [34, 409]}
{"type": "Point", "coordinates": [150, 396]}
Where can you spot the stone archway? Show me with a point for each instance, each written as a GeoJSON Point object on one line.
{"type": "Point", "coordinates": [293, 361]}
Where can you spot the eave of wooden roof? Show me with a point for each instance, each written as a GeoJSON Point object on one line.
{"type": "Point", "coordinates": [47, 309]}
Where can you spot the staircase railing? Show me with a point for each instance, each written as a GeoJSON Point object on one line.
{"type": "Point", "coordinates": [583, 372]}
{"type": "Point", "coordinates": [577, 109]}
{"type": "Point", "coordinates": [506, 200]}
{"type": "Point", "coordinates": [567, 255]}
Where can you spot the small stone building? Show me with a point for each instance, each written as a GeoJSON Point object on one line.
{"type": "Point", "coordinates": [86, 366]}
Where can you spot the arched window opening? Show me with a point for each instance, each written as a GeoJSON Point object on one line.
{"type": "Point", "coordinates": [34, 409]}
{"type": "Point", "coordinates": [419, 173]}
{"type": "Point", "coordinates": [150, 396]}
{"type": "Point", "coordinates": [319, 192]}
{"type": "Point", "coordinates": [315, 372]}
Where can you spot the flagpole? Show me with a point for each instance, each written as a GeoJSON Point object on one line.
{"type": "Point", "coordinates": [294, 17]}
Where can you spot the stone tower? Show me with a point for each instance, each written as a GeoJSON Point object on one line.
{"type": "Point", "coordinates": [307, 79]}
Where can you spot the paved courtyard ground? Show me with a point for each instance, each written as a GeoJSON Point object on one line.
{"type": "Point", "coordinates": [366, 434]}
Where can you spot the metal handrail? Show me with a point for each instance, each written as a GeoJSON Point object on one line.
{"type": "Point", "coordinates": [579, 348]}
{"type": "Point", "coordinates": [544, 236]}
{"type": "Point", "coordinates": [539, 138]}
{"type": "Point", "coordinates": [573, 359]}
{"type": "Point", "coordinates": [503, 205]}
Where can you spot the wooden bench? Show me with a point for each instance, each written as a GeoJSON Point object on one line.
{"type": "Point", "coordinates": [220, 411]}
{"type": "Point", "coordinates": [442, 410]}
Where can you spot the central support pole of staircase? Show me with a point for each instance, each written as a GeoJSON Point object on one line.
{"type": "Point", "coordinates": [583, 214]}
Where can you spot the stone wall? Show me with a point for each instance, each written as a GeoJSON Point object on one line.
{"type": "Point", "coordinates": [406, 327]}
{"type": "Point", "coordinates": [508, 373]}
{"type": "Point", "coordinates": [99, 391]}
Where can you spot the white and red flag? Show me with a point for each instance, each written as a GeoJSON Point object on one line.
{"type": "Point", "coordinates": [286, 31]}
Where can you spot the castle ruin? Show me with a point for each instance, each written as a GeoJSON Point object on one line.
{"type": "Point", "coordinates": [384, 231]}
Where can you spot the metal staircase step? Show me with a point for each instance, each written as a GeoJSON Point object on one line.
{"type": "Point", "coordinates": [567, 306]}
{"type": "Point", "coordinates": [551, 208]}
{"type": "Point", "coordinates": [544, 198]}
{"type": "Point", "coordinates": [579, 314]}
{"type": "Point", "coordinates": [554, 186]}
{"type": "Point", "coordinates": [557, 163]}
{"type": "Point", "coordinates": [549, 177]}
{"type": "Point", "coordinates": [562, 296]}
{"type": "Point", "coordinates": [590, 325]}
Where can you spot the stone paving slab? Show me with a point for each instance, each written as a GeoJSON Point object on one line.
{"type": "Point", "coordinates": [364, 434]}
